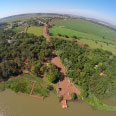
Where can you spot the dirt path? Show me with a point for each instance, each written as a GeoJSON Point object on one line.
{"type": "Point", "coordinates": [32, 87]}
{"type": "Point", "coordinates": [34, 96]}
{"type": "Point", "coordinates": [31, 92]}
{"type": "Point", "coordinates": [66, 86]}
{"type": "Point", "coordinates": [45, 32]}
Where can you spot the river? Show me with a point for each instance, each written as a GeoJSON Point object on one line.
{"type": "Point", "coordinates": [12, 104]}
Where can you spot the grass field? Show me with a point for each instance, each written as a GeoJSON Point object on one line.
{"type": "Point", "coordinates": [19, 29]}
{"type": "Point", "coordinates": [24, 84]}
{"type": "Point", "coordinates": [35, 30]}
{"type": "Point", "coordinates": [64, 31]}
{"type": "Point", "coordinates": [93, 44]}
{"type": "Point", "coordinates": [88, 27]}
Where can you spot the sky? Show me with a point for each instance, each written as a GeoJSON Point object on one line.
{"type": "Point", "coordinates": [99, 9]}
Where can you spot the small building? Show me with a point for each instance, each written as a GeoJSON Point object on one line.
{"type": "Point", "coordinates": [64, 104]}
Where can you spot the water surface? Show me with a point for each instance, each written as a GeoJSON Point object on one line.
{"type": "Point", "coordinates": [12, 104]}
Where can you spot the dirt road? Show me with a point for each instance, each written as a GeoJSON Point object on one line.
{"type": "Point", "coordinates": [45, 32]}
{"type": "Point", "coordinates": [64, 84]}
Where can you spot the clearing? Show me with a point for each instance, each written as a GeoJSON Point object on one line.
{"type": "Point", "coordinates": [37, 31]}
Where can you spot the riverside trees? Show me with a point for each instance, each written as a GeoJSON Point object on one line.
{"type": "Point", "coordinates": [80, 63]}
{"type": "Point", "coordinates": [25, 52]}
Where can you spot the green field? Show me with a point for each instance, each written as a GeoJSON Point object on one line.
{"type": "Point", "coordinates": [64, 31]}
{"type": "Point", "coordinates": [19, 29]}
{"type": "Point", "coordinates": [93, 44]}
{"type": "Point", "coordinates": [24, 84]}
{"type": "Point", "coordinates": [35, 30]}
{"type": "Point", "coordinates": [88, 27]}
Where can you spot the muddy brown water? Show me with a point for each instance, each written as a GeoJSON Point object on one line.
{"type": "Point", "coordinates": [12, 104]}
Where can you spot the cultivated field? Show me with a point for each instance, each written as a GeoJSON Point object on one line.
{"type": "Point", "coordinates": [35, 30]}
{"type": "Point", "coordinates": [88, 27]}
{"type": "Point", "coordinates": [65, 31]}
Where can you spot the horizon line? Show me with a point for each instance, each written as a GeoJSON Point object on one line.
{"type": "Point", "coordinates": [58, 13]}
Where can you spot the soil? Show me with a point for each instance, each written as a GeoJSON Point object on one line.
{"type": "Point", "coordinates": [66, 86]}
{"type": "Point", "coordinates": [115, 39]}
{"type": "Point", "coordinates": [45, 32]}
{"type": "Point", "coordinates": [33, 86]}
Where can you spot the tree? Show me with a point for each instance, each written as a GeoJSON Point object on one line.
{"type": "Point", "coordinates": [50, 87]}
{"type": "Point", "coordinates": [73, 96]}
{"type": "Point", "coordinates": [53, 73]}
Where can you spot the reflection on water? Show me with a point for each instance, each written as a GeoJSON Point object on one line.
{"type": "Point", "coordinates": [12, 104]}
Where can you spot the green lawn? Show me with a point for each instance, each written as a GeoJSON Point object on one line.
{"type": "Point", "coordinates": [24, 84]}
{"type": "Point", "coordinates": [88, 27]}
{"type": "Point", "coordinates": [64, 31]}
{"type": "Point", "coordinates": [93, 44]}
{"type": "Point", "coordinates": [35, 30]}
{"type": "Point", "coordinates": [19, 29]}
{"type": "Point", "coordinates": [98, 104]}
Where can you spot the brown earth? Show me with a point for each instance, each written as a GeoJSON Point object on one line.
{"type": "Point", "coordinates": [45, 32]}
{"type": "Point", "coordinates": [33, 86]}
{"type": "Point", "coordinates": [115, 39]}
{"type": "Point", "coordinates": [55, 20]}
{"type": "Point", "coordinates": [66, 86]}
{"type": "Point", "coordinates": [61, 26]}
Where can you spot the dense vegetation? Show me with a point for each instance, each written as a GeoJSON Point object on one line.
{"type": "Point", "coordinates": [21, 52]}
{"type": "Point", "coordinates": [92, 70]}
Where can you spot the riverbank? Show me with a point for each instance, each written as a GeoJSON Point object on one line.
{"type": "Point", "coordinates": [21, 105]}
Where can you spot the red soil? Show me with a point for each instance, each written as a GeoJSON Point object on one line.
{"type": "Point", "coordinates": [34, 96]}
{"type": "Point", "coordinates": [61, 26]}
{"type": "Point", "coordinates": [26, 71]}
{"type": "Point", "coordinates": [67, 89]}
{"type": "Point", "coordinates": [56, 61]}
{"type": "Point", "coordinates": [32, 88]}
{"type": "Point", "coordinates": [55, 20]}
{"type": "Point", "coordinates": [115, 39]}
{"type": "Point", "coordinates": [45, 32]}
{"type": "Point", "coordinates": [81, 45]}
{"type": "Point", "coordinates": [66, 86]}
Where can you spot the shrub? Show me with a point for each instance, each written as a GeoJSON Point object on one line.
{"type": "Point", "coordinates": [73, 96]}
{"type": "Point", "coordinates": [19, 87]}
{"type": "Point", "coordinates": [50, 87]}
{"type": "Point", "coordinates": [60, 98]}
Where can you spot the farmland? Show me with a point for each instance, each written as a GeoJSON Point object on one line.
{"type": "Point", "coordinates": [64, 31]}
{"type": "Point", "coordinates": [87, 27]}
{"type": "Point", "coordinates": [35, 30]}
